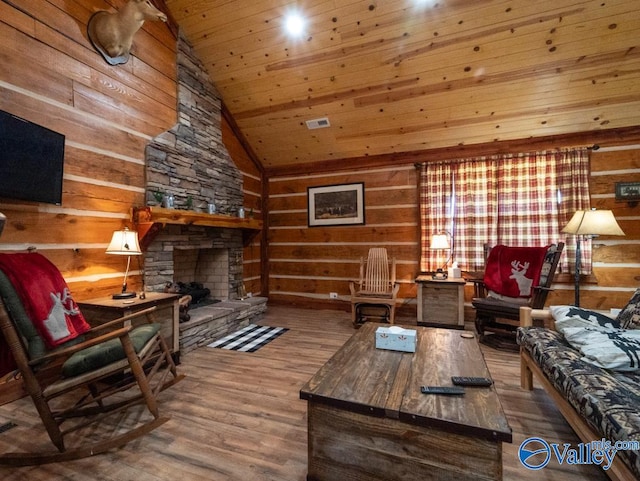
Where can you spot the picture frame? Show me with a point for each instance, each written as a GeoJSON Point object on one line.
{"type": "Point", "coordinates": [626, 191]}
{"type": "Point", "coordinates": [334, 205]}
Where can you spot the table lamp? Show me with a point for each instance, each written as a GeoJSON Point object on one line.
{"type": "Point", "coordinates": [589, 223]}
{"type": "Point", "coordinates": [440, 241]}
{"type": "Point", "coordinates": [3, 219]}
{"type": "Point", "coordinates": [124, 243]}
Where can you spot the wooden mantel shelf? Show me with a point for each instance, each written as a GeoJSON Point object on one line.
{"type": "Point", "coordinates": [148, 220]}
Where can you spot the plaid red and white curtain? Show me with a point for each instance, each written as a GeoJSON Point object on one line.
{"type": "Point", "coordinates": [516, 200]}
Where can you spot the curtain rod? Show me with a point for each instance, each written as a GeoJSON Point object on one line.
{"type": "Point", "coordinates": [503, 156]}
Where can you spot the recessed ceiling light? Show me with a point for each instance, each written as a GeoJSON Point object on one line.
{"type": "Point", "coordinates": [424, 3]}
{"type": "Point", "coordinates": [294, 24]}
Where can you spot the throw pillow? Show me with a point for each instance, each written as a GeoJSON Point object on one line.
{"type": "Point", "coordinates": [571, 316]}
{"type": "Point", "coordinates": [617, 350]}
{"type": "Point", "coordinates": [629, 317]}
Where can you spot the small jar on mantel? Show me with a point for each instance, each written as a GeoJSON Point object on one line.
{"type": "Point", "coordinates": [168, 201]}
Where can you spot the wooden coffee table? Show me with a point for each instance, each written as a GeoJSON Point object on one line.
{"type": "Point", "coordinates": [367, 418]}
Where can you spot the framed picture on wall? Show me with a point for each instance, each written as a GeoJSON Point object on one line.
{"type": "Point", "coordinates": [341, 204]}
{"type": "Point", "coordinates": [627, 190]}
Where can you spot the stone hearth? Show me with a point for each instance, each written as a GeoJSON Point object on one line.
{"type": "Point", "coordinates": [212, 322]}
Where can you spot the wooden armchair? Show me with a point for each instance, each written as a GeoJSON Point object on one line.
{"type": "Point", "coordinates": [500, 313]}
{"type": "Point", "coordinates": [376, 287]}
{"type": "Point", "coordinates": [89, 374]}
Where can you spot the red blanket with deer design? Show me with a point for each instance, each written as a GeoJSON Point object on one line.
{"type": "Point", "coordinates": [513, 271]}
{"type": "Point", "coordinates": [45, 297]}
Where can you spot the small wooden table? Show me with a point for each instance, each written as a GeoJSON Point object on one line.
{"type": "Point", "coordinates": [367, 418]}
{"type": "Point", "coordinates": [103, 309]}
{"type": "Point", "coordinates": [441, 302]}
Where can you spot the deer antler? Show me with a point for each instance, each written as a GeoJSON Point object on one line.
{"type": "Point", "coordinates": [518, 266]}
{"type": "Point", "coordinates": [68, 307]}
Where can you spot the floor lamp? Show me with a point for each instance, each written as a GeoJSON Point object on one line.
{"type": "Point", "coordinates": [124, 243]}
{"type": "Point", "coordinates": [589, 223]}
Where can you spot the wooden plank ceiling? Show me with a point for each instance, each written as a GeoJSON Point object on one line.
{"type": "Point", "coordinates": [406, 75]}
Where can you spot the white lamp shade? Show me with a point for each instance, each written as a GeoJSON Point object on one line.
{"type": "Point", "coordinates": [125, 243]}
{"type": "Point", "coordinates": [593, 222]}
{"type": "Point", "coordinates": [439, 241]}
{"type": "Point", "coordinates": [3, 219]}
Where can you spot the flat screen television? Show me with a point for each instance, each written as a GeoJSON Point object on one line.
{"type": "Point", "coordinates": [31, 161]}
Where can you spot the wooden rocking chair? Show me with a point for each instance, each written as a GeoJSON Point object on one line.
{"type": "Point", "coordinates": [376, 289]}
{"type": "Point", "coordinates": [79, 382]}
{"type": "Point", "coordinates": [500, 314]}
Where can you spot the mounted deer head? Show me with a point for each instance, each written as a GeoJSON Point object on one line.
{"type": "Point", "coordinates": [112, 33]}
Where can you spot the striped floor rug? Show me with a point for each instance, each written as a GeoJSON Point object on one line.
{"type": "Point", "coordinates": [249, 339]}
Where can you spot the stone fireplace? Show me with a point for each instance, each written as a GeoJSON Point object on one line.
{"type": "Point", "coordinates": [191, 163]}
{"type": "Point", "coordinates": [211, 256]}
{"type": "Point", "coordinates": [206, 267]}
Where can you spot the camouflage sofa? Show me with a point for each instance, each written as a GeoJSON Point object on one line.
{"type": "Point", "coordinates": [598, 402]}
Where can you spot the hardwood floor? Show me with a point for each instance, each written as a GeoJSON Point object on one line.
{"type": "Point", "coordinates": [238, 416]}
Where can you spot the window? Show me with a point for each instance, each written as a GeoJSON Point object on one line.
{"type": "Point", "coordinates": [517, 200]}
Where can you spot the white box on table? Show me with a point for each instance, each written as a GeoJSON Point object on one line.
{"type": "Point", "coordinates": [396, 338]}
{"type": "Point", "coordinates": [454, 272]}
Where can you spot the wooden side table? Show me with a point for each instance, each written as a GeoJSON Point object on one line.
{"type": "Point", "coordinates": [103, 309]}
{"type": "Point", "coordinates": [441, 302]}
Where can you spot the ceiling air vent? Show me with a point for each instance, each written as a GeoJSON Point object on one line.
{"type": "Point", "coordinates": [318, 123]}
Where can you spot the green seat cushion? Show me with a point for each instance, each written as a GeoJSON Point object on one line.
{"type": "Point", "coordinates": [101, 355]}
{"type": "Point", "coordinates": [32, 340]}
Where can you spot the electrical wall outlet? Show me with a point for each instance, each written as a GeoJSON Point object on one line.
{"type": "Point", "coordinates": [333, 295]}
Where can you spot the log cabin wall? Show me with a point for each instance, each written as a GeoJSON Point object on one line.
{"type": "Point", "coordinates": [307, 263]}
{"type": "Point", "coordinates": [52, 76]}
{"type": "Point", "coordinates": [616, 260]}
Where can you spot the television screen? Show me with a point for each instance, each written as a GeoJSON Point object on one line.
{"type": "Point", "coordinates": [31, 161]}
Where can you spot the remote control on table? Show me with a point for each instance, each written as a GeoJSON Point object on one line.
{"type": "Point", "coordinates": [449, 390]}
{"type": "Point", "coordinates": [471, 381]}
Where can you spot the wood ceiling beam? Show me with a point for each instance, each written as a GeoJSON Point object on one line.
{"type": "Point", "coordinates": [327, 98]}
{"type": "Point", "coordinates": [602, 138]}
